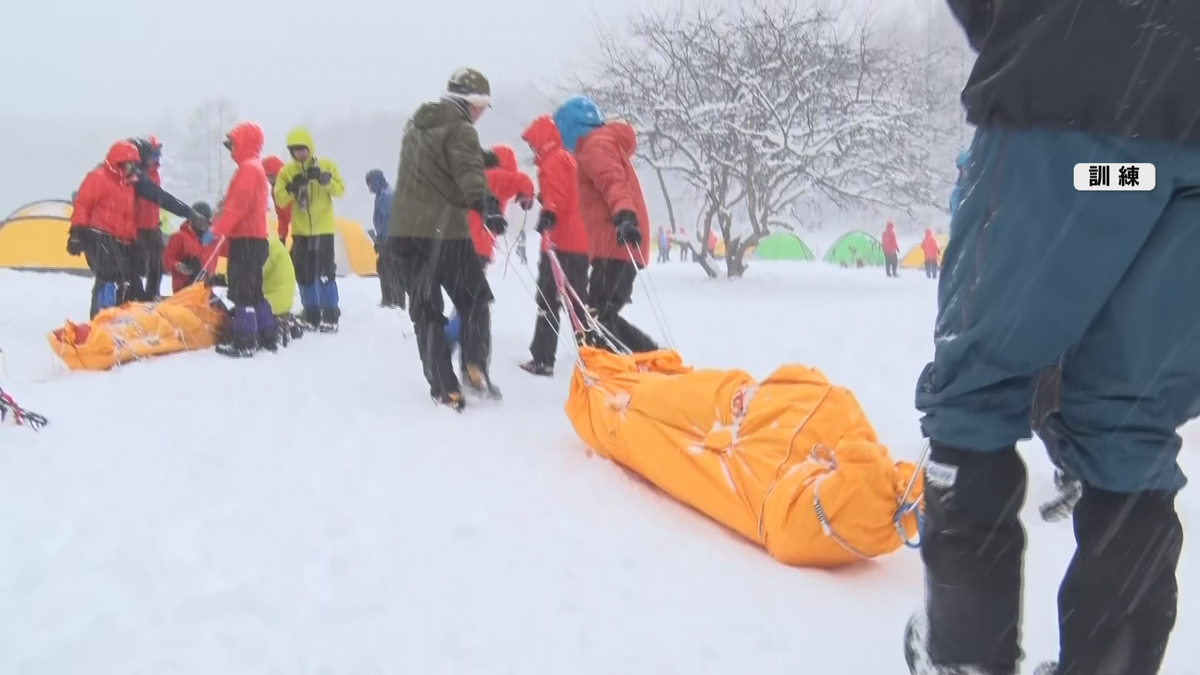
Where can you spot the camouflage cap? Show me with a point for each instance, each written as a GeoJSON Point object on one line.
{"type": "Point", "coordinates": [471, 86]}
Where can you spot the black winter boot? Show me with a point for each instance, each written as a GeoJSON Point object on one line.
{"type": "Point", "coordinates": [973, 547]}
{"type": "Point", "coordinates": [1118, 601]}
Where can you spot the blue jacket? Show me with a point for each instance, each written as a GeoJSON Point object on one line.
{"type": "Point", "coordinates": [383, 204]}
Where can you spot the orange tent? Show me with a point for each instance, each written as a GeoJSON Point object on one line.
{"type": "Point", "coordinates": [790, 462]}
{"type": "Point", "coordinates": [182, 322]}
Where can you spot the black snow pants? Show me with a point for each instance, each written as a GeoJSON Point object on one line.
{"type": "Point", "coordinates": [890, 263]}
{"type": "Point", "coordinates": [147, 255]}
{"type": "Point", "coordinates": [391, 281]}
{"type": "Point", "coordinates": [428, 266]}
{"type": "Point", "coordinates": [110, 263]}
{"type": "Point", "coordinates": [610, 288]}
{"type": "Point", "coordinates": [545, 332]}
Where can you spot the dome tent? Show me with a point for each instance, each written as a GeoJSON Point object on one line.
{"type": "Point", "coordinates": [34, 238]}
{"type": "Point", "coordinates": [783, 246]}
{"type": "Point", "coordinates": [854, 246]}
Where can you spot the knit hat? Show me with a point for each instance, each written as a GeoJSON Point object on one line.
{"type": "Point", "coordinates": [470, 86]}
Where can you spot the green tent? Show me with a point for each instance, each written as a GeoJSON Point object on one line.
{"type": "Point", "coordinates": [783, 246]}
{"type": "Point", "coordinates": [854, 246]}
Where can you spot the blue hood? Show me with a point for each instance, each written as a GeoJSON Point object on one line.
{"type": "Point", "coordinates": [376, 183]}
{"type": "Point", "coordinates": [575, 118]}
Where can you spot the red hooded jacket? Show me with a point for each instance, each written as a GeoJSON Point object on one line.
{"type": "Point", "coordinates": [272, 165]}
{"type": "Point", "coordinates": [105, 201]}
{"type": "Point", "coordinates": [244, 214]}
{"type": "Point", "coordinates": [608, 183]}
{"type": "Point", "coordinates": [183, 245]}
{"type": "Point", "coordinates": [147, 215]}
{"type": "Point", "coordinates": [930, 247]}
{"type": "Point", "coordinates": [557, 182]}
{"type": "Point", "coordinates": [890, 245]}
{"type": "Point", "coordinates": [506, 182]}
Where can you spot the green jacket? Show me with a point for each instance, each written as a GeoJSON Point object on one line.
{"type": "Point", "coordinates": [318, 217]}
{"type": "Point", "coordinates": [441, 174]}
{"type": "Point", "coordinates": [279, 277]}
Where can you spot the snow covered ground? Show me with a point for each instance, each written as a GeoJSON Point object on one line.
{"type": "Point", "coordinates": [311, 512]}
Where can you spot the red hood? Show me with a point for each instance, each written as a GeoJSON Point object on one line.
{"type": "Point", "coordinates": [119, 152]}
{"type": "Point", "coordinates": [272, 165]}
{"type": "Point", "coordinates": [542, 136]}
{"type": "Point", "coordinates": [622, 133]}
{"type": "Point", "coordinates": [508, 158]}
{"type": "Point", "coordinates": [247, 140]}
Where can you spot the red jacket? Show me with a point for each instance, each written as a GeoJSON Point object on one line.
{"type": "Point", "coordinates": [506, 182]}
{"type": "Point", "coordinates": [105, 201]}
{"type": "Point", "coordinates": [272, 165]}
{"type": "Point", "coordinates": [557, 182]}
{"type": "Point", "coordinates": [890, 245]}
{"type": "Point", "coordinates": [244, 214]}
{"type": "Point", "coordinates": [184, 245]}
{"type": "Point", "coordinates": [147, 215]}
{"type": "Point", "coordinates": [608, 184]}
{"type": "Point", "coordinates": [930, 247]}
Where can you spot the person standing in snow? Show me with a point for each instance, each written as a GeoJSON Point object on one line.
{"type": "Point", "coordinates": [507, 182]}
{"type": "Point", "coordinates": [613, 211]}
{"type": "Point", "coordinates": [441, 178]}
{"type": "Point", "coordinates": [1100, 282]}
{"type": "Point", "coordinates": [147, 251]}
{"type": "Point", "coordinates": [103, 227]}
{"type": "Point", "coordinates": [891, 250]}
{"type": "Point", "coordinates": [562, 233]}
{"type": "Point", "coordinates": [272, 165]}
{"type": "Point", "coordinates": [241, 231]}
{"type": "Point", "coordinates": [931, 251]}
{"type": "Point", "coordinates": [307, 186]}
{"type": "Point", "coordinates": [391, 285]}
{"type": "Point", "coordinates": [189, 249]}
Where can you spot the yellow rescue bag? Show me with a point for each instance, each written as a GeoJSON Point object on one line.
{"type": "Point", "coordinates": [182, 322]}
{"type": "Point", "coordinates": [790, 462]}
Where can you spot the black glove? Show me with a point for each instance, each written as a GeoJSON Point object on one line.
{"type": "Point", "coordinates": [627, 229]}
{"type": "Point", "coordinates": [488, 209]}
{"type": "Point", "coordinates": [313, 173]}
{"type": "Point", "coordinates": [77, 240]}
{"type": "Point", "coordinates": [546, 221]}
{"type": "Point", "coordinates": [216, 280]}
{"type": "Point", "coordinates": [325, 178]}
{"type": "Point", "coordinates": [188, 266]}
{"type": "Point", "coordinates": [490, 160]}
{"type": "Point", "coordinates": [298, 183]}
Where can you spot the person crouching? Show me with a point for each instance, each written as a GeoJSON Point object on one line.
{"type": "Point", "coordinates": [189, 248]}
{"type": "Point", "coordinates": [241, 231]}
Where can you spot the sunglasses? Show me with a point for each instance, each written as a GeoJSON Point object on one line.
{"type": "Point", "coordinates": [228, 143]}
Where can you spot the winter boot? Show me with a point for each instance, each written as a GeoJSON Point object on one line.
{"type": "Point", "coordinates": [453, 400]}
{"type": "Point", "coordinates": [479, 382]}
{"type": "Point", "coordinates": [327, 291]}
{"type": "Point", "coordinates": [916, 653]}
{"type": "Point", "coordinates": [538, 368]}
{"type": "Point", "coordinates": [973, 548]}
{"type": "Point", "coordinates": [268, 332]}
{"type": "Point", "coordinates": [243, 334]}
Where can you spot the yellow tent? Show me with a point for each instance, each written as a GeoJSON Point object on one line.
{"type": "Point", "coordinates": [915, 258]}
{"type": "Point", "coordinates": [34, 237]}
{"type": "Point", "coordinates": [354, 252]}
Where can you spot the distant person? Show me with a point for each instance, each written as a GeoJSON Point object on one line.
{"type": "Point", "coordinates": [891, 250]}
{"type": "Point", "coordinates": [391, 285]}
{"type": "Point", "coordinates": [272, 165]}
{"type": "Point", "coordinates": [103, 229]}
{"type": "Point", "coordinates": [931, 250]}
{"type": "Point", "coordinates": [664, 245]}
{"type": "Point", "coordinates": [307, 186]}
{"type": "Point", "coordinates": [1035, 273]}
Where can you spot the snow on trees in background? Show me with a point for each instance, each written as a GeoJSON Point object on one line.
{"type": "Point", "coordinates": [200, 166]}
{"type": "Point", "coordinates": [768, 107]}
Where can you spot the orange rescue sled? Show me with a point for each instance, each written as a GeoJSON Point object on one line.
{"type": "Point", "coordinates": [185, 321]}
{"type": "Point", "coordinates": [790, 462]}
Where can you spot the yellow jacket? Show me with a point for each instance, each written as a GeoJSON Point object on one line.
{"type": "Point", "coordinates": [317, 217]}
{"type": "Point", "coordinates": [279, 278]}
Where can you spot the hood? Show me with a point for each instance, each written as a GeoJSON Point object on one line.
{"type": "Point", "coordinates": [929, 234]}
{"type": "Point", "coordinates": [575, 118]}
{"type": "Point", "coordinates": [272, 165]}
{"type": "Point", "coordinates": [376, 182]}
{"type": "Point", "coordinates": [247, 139]}
{"type": "Point", "coordinates": [118, 153]}
{"type": "Point", "coordinates": [439, 114]}
{"type": "Point", "coordinates": [508, 158]}
{"type": "Point", "coordinates": [623, 134]}
{"type": "Point", "coordinates": [301, 136]}
{"type": "Point", "coordinates": [890, 226]}
{"type": "Point", "coordinates": [542, 135]}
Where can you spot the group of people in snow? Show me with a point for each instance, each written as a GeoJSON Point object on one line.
{"type": "Point", "coordinates": [930, 249]}
{"type": "Point", "coordinates": [1076, 297]}
{"type": "Point", "coordinates": [115, 226]}
{"type": "Point", "coordinates": [447, 209]}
